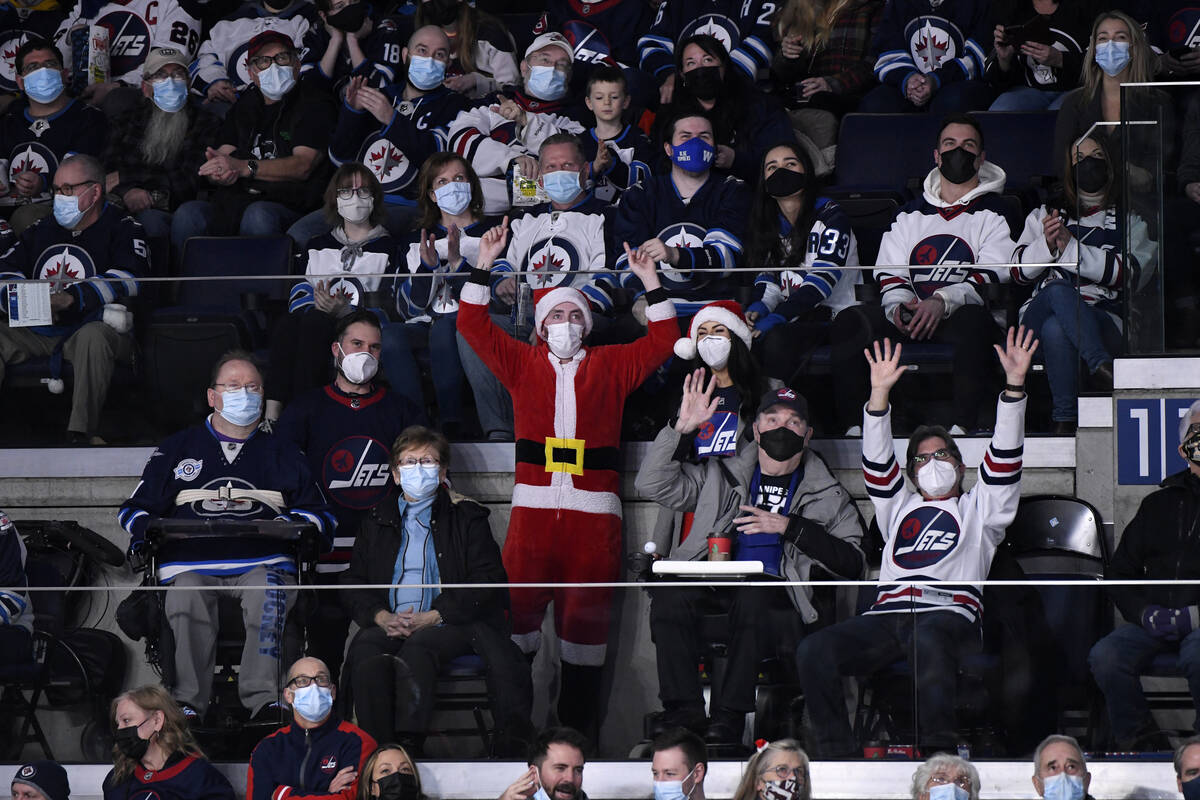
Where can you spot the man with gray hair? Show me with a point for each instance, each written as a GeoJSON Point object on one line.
{"type": "Point", "coordinates": [1161, 542]}
{"type": "Point", "coordinates": [1187, 768]}
{"type": "Point", "coordinates": [93, 256]}
{"type": "Point", "coordinates": [1059, 769]}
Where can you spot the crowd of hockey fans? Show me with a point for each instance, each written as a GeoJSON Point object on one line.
{"type": "Point", "coordinates": [566, 225]}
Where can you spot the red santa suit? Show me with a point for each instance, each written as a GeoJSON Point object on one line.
{"type": "Point", "coordinates": [566, 511]}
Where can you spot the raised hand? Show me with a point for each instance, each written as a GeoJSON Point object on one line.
{"type": "Point", "coordinates": [885, 371]}
{"type": "Point", "coordinates": [352, 87]}
{"type": "Point", "coordinates": [429, 255]}
{"type": "Point", "coordinates": [698, 403]}
{"type": "Point", "coordinates": [491, 244]}
{"type": "Point", "coordinates": [376, 103]}
{"type": "Point", "coordinates": [453, 239]}
{"type": "Point", "coordinates": [1017, 354]}
{"type": "Point", "coordinates": [644, 267]}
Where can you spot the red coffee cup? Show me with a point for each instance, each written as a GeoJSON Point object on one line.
{"type": "Point", "coordinates": [720, 547]}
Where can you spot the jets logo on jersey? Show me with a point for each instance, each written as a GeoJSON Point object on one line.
{"type": "Point", "coordinates": [926, 536]}
{"type": "Point", "coordinates": [188, 469]}
{"type": "Point", "coordinates": [10, 41]}
{"type": "Point", "coordinates": [356, 471]}
{"type": "Point", "coordinates": [550, 259]}
{"type": "Point", "coordinates": [942, 249]}
{"type": "Point", "coordinates": [31, 157]}
{"type": "Point", "coordinates": [350, 288]}
{"type": "Point", "coordinates": [591, 46]}
{"type": "Point", "coordinates": [722, 28]}
{"type": "Point", "coordinates": [225, 505]}
{"type": "Point", "coordinates": [128, 40]}
{"type": "Point", "coordinates": [64, 264]}
{"type": "Point", "coordinates": [389, 164]}
{"type": "Point", "coordinates": [933, 41]}
{"type": "Point", "coordinates": [1183, 28]}
{"type": "Point", "coordinates": [679, 234]}
{"type": "Point", "coordinates": [718, 435]}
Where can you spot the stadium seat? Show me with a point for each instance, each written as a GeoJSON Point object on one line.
{"type": "Point", "coordinates": [892, 151]}
{"type": "Point", "coordinates": [1022, 144]}
{"type": "Point", "coordinates": [462, 688]}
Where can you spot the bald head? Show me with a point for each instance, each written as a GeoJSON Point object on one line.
{"type": "Point", "coordinates": [430, 42]}
{"type": "Point", "coordinates": [308, 666]}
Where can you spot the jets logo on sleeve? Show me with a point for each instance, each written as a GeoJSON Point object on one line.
{"type": "Point", "coordinates": [10, 42]}
{"type": "Point", "coordinates": [356, 472]}
{"type": "Point", "coordinates": [926, 536]}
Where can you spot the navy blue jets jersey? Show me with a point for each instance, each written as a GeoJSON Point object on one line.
{"type": "Point", "coordinates": [633, 153]}
{"type": "Point", "coordinates": [743, 26]}
{"type": "Point", "coordinates": [198, 474]}
{"type": "Point", "coordinates": [946, 43]}
{"type": "Point", "coordinates": [113, 249]}
{"type": "Point", "coordinates": [395, 152]}
{"type": "Point", "coordinates": [708, 231]}
{"type": "Point", "coordinates": [29, 144]}
{"type": "Point", "coordinates": [423, 293]}
{"type": "Point", "coordinates": [347, 440]}
{"type": "Point", "coordinates": [182, 778]}
{"type": "Point", "coordinates": [17, 26]}
{"type": "Point", "coordinates": [297, 764]}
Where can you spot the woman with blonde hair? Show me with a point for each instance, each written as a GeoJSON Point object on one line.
{"type": "Point", "coordinates": [391, 775]}
{"type": "Point", "coordinates": [778, 771]}
{"type": "Point", "coordinates": [1118, 53]}
{"type": "Point", "coordinates": [153, 751]}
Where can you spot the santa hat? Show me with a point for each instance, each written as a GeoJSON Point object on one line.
{"type": "Point", "coordinates": [726, 312]}
{"type": "Point", "coordinates": [546, 299]}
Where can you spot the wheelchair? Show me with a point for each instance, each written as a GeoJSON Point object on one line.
{"type": "Point", "coordinates": [224, 730]}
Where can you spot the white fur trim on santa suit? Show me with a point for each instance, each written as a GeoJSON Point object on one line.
{"type": "Point", "coordinates": [660, 311]}
{"type": "Point", "coordinates": [686, 347]}
{"type": "Point", "coordinates": [557, 295]}
{"type": "Point", "coordinates": [475, 293]}
{"type": "Point", "coordinates": [585, 655]}
{"type": "Point", "coordinates": [561, 494]}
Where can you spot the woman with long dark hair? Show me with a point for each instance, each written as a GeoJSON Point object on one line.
{"type": "Point", "coordinates": [812, 302]}
{"type": "Point", "coordinates": [745, 120]}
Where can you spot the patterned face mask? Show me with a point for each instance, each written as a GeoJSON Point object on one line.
{"type": "Point", "coordinates": [1191, 444]}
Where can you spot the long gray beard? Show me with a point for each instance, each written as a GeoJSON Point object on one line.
{"type": "Point", "coordinates": [164, 136]}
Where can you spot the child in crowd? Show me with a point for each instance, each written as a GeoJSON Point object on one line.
{"type": "Point", "coordinates": [620, 153]}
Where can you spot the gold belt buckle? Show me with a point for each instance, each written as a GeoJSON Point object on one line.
{"type": "Point", "coordinates": [575, 468]}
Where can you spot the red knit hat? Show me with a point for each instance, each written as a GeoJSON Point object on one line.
{"type": "Point", "coordinates": [726, 312]}
{"type": "Point", "coordinates": [546, 299]}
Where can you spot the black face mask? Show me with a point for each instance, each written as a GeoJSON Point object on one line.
{"type": "Point", "coordinates": [398, 786]}
{"type": "Point", "coordinates": [784, 182]}
{"type": "Point", "coordinates": [958, 165]}
{"type": "Point", "coordinates": [440, 12]}
{"type": "Point", "coordinates": [781, 443]}
{"type": "Point", "coordinates": [350, 18]}
{"type": "Point", "coordinates": [130, 744]}
{"type": "Point", "coordinates": [703, 82]}
{"type": "Point", "coordinates": [1091, 174]}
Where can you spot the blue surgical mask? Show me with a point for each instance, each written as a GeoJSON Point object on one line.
{"type": "Point", "coordinates": [453, 197]}
{"type": "Point", "coordinates": [1112, 57]}
{"type": "Point", "coordinates": [426, 73]}
{"type": "Point", "coordinates": [313, 702]}
{"type": "Point", "coordinates": [419, 481]}
{"type": "Point", "coordinates": [672, 790]}
{"type": "Point", "coordinates": [241, 407]}
{"type": "Point", "coordinates": [948, 791]}
{"type": "Point", "coordinates": [44, 85]}
{"type": "Point", "coordinates": [546, 83]}
{"type": "Point", "coordinates": [1062, 787]}
{"type": "Point", "coordinates": [695, 155]}
{"type": "Point", "coordinates": [170, 94]}
{"type": "Point", "coordinates": [275, 81]}
{"type": "Point", "coordinates": [67, 211]}
{"type": "Point", "coordinates": [562, 186]}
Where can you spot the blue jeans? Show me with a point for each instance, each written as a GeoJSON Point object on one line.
{"type": "Point", "coordinates": [1027, 98]}
{"type": "Point", "coordinates": [492, 402]}
{"type": "Point", "coordinates": [952, 97]}
{"type": "Point", "coordinates": [400, 365]}
{"type": "Point", "coordinates": [1069, 329]}
{"type": "Point", "coordinates": [1117, 661]}
{"type": "Point", "coordinates": [263, 218]}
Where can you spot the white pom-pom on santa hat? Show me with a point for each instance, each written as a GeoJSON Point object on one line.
{"type": "Point", "coordinates": [546, 299]}
{"type": "Point", "coordinates": [726, 312]}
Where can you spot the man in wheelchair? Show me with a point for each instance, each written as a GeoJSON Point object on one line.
{"type": "Point", "coordinates": [226, 469]}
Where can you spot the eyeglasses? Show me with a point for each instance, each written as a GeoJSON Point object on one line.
{"type": "Point", "coordinates": [31, 66]}
{"type": "Point", "coordinates": [69, 189]}
{"type": "Point", "coordinates": [302, 681]}
{"type": "Point", "coordinates": [962, 781]}
{"type": "Point", "coordinates": [283, 58]}
{"type": "Point", "coordinates": [165, 74]}
{"type": "Point", "coordinates": [424, 461]}
{"type": "Point", "coordinates": [783, 772]}
{"type": "Point", "coordinates": [941, 454]}
{"type": "Point", "coordinates": [253, 388]}
{"type": "Point", "coordinates": [362, 193]}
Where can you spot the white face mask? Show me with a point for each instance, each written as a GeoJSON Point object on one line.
{"type": "Point", "coordinates": [358, 367]}
{"type": "Point", "coordinates": [355, 209]}
{"type": "Point", "coordinates": [937, 478]}
{"type": "Point", "coordinates": [564, 338]}
{"type": "Point", "coordinates": [714, 350]}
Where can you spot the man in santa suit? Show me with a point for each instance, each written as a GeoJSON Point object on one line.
{"type": "Point", "coordinates": [566, 512]}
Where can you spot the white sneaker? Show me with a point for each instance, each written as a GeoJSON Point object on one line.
{"type": "Point", "coordinates": [957, 430]}
{"type": "Point", "coordinates": [854, 431]}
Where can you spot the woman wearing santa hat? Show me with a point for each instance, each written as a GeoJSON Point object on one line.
{"type": "Point", "coordinates": [566, 511]}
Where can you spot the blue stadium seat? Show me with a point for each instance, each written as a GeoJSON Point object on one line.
{"type": "Point", "coordinates": [1022, 144]}
{"type": "Point", "coordinates": [884, 151]}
